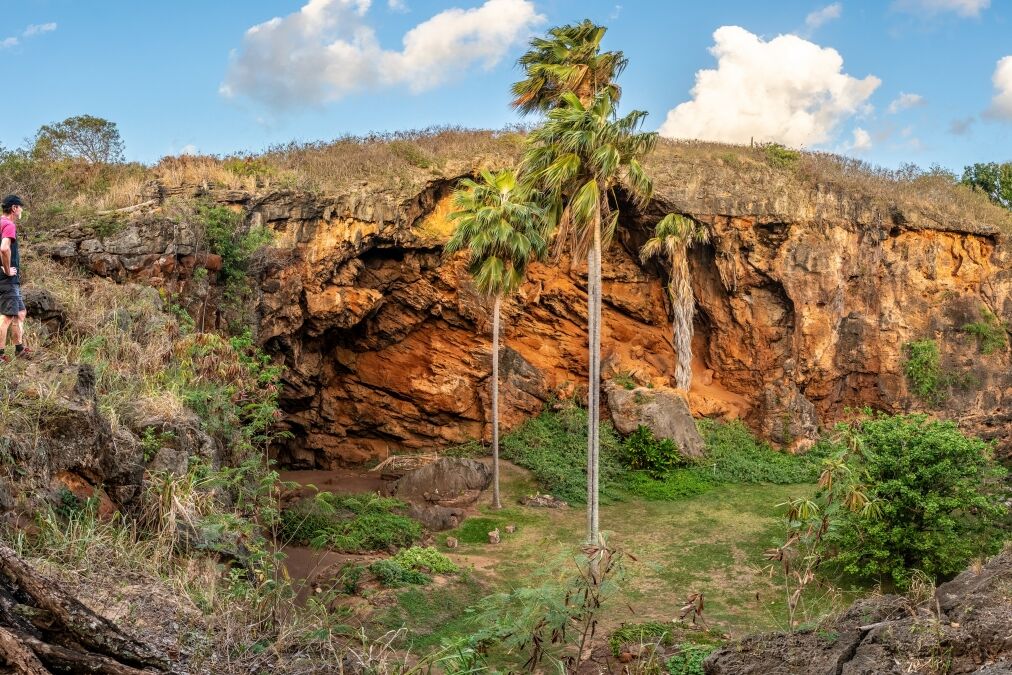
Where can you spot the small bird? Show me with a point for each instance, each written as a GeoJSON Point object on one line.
{"type": "Point", "coordinates": [493, 536]}
{"type": "Point", "coordinates": [451, 542]}
{"type": "Point", "coordinates": [511, 528]}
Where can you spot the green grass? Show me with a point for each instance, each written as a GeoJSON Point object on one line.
{"type": "Point", "coordinates": [433, 614]}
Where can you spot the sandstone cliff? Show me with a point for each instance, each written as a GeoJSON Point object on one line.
{"type": "Point", "coordinates": [806, 295]}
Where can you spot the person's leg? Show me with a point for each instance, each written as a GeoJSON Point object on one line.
{"type": "Point", "coordinates": [5, 322]}
{"type": "Point", "coordinates": [17, 331]}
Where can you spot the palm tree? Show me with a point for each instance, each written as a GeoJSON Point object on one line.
{"type": "Point", "coordinates": [569, 60]}
{"type": "Point", "coordinates": [500, 224]}
{"type": "Point", "coordinates": [672, 236]}
{"type": "Point", "coordinates": [577, 158]}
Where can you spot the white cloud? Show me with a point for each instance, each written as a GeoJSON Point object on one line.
{"type": "Point", "coordinates": [787, 90]}
{"type": "Point", "coordinates": [932, 7]}
{"type": "Point", "coordinates": [36, 29]}
{"type": "Point", "coordinates": [615, 12]}
{"type": "Point", "coordinates": [1001, 104]}
{"type": "Point", "coordinates": [327, 50]}
{"type": "Point", "coordinates": [904, 101]}
{"type": "Point", "coordinates": [8, 42]}
{"type": "Point", "coordinates": [823, 16]}
{"type": "Point", "coordinates": [189, 149]}
{"type": "Point", "coordinates": [397, 6]}
{"type": "Point", "coordinates": [862, 140]}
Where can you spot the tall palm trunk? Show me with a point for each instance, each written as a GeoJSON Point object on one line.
{"type": "Point", "coordinates": [495, 402]}
{"type": "Point", "coordinates": [594, 384]}
{"type": "Point", "coordinates": [683, 305]}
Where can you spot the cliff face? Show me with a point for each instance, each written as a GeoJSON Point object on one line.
{"type": "Point", "coordinates": [804, 309]}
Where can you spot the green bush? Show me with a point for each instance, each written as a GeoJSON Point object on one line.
{"type": "Point", "coordinates": [392, 574]}
{"type": "Point", "coordinates": [689, 659]}
{"type": "Point", "coordinates": [924, 371]}
{"type": "Point", "coordinates": [349, 523]}
{"type": "Point", "coordinates": [425, 559]}
{"type": "Point", "coordinates": [553, 446]}
{"type": "Point", "coordinates": [657, 457]}
{"type": "Point", "coordinates": [932, 495]}
{"type": "Point", "coordinates": [780, 157]}
{"type": "Point", "coordinates": [678, 484]}
{"type": "Point", "coordinates": [990, 332]}
{"type": "Point", "coordinates": [735, 455]}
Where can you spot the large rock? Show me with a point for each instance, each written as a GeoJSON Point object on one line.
{"type": "Point", "coordinates": [56, 432]}
{"type": "Point", "coordinates": [661, 409]}
{"type": "Point", "coordinates": [438, 493]}
{"type": "Point", "coordinates": [967, 626]}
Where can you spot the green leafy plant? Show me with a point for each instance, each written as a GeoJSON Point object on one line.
{"type": "Point", "coordinates": [656, 456]}
{"type": "Point", "coordinates": [425, 559]}
{"type": "Point", "coordinates": [689, 659]}
{"type": "Point", "coordinates": [991, 333]}
{"type": "Point", "coordinates": [152, 442]}
{"type": "Point", "coordinates": [392, 574]}
{"type": "Point", "coordinates": [780, 157]}
{"type": "Point", "coordinates": [924, 371]}
{"type": "Point", "coordinates": [638, 633]}
{"type": "Point", "coordinates": [923, 496]}
{"type": "Point", "coordinates": [349, 523]}
{"type": "Point", "coordinates": [624, 380]}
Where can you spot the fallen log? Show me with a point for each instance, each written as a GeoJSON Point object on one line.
{"type": "Point", "coordinates": [44, 629]}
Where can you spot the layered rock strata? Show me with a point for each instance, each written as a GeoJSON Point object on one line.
{"type": "Point", "coordinates": [804, 308]}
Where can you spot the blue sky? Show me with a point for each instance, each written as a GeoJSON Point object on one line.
{"type": "Point", "coordinates": [185, 75]}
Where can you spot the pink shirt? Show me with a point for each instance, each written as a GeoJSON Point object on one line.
{"type": "Point", "coordinates": [8, 230]}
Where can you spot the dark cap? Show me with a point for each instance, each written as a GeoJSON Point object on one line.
{"type": "Point", "coordinates": [10, 201]}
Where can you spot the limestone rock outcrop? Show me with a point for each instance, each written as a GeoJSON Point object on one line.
{"type": "Point", "coordinates": [805, 304]}
{"type": "Point", "coordinates": [966, 625]}
{"type": "Point", "coordinates": [662, 410]}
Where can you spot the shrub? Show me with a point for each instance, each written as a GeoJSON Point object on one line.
{"type": "Point", "coordinates": [931, 500]}
{"type": "Point", "coordinates": [780, 157]}
{"type": "Point", "coordinates": [553, 446]}
{"type": "Point", "coordinates": [924, 372]}
{"type": "Point", "coordinates": [392, 574]}
{"type": "Point", "coordinates": [425, 559]}
{"type": "Point", "coordinates": [735, 455]}
{"type": "Point", "coordinates": [656, 457]}
{"type": "Point", "coordinates": [349, 523]}
{"type": "Point", "coordinates": [990, 332]}
{"type": "Point", "coordinates": [689, 659]}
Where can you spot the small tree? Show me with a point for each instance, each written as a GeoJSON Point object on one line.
{"type": "Point", "coordinates": [502, 227]}
{"type": "Point", "coordinates": [993, 179]}
{"type": "Point", "coordinates": [922, 496]}
{"type": "Point", "coordinates": [92, 139]}
{"type": "Point", "coordinates": [672, 237]}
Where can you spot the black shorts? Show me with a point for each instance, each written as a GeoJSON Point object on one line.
{"type": "Point", "coordinates": [10, 299]}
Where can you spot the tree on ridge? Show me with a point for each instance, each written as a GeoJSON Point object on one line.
{"type": "Point", "coordinates": [502, 227]}
{"type": "Point", "coordinates": [672, 237]}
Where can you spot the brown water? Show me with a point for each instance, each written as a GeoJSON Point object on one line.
{"type": "Point", "coordinates": [315, 567]}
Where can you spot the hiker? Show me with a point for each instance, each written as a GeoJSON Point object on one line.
{"type": "Point", "coordinates": [12, 307]}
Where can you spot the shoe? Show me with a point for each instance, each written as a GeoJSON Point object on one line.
{"type": "Point", "coordinates": [4, 358]}
{"type": "Point", "coordinates": [26, 353]}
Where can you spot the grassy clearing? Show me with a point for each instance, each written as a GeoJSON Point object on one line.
{"type": "Point", "coordinates": [711, 543]}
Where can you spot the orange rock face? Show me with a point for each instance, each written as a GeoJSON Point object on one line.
{"type": "Point", "coordinates": [387, 346]}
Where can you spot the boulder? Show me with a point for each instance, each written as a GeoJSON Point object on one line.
{"type": "Point", "coordinates": [662, 410]}
{"type": "Point", "coordinates": [438, 493]}
{"type": "Point", "coordinates": [968, 622]}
